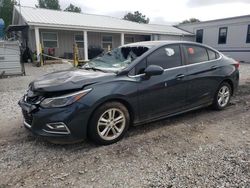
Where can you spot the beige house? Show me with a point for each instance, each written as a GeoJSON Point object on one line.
{"type": "Point", "coordinates": [59, 30]}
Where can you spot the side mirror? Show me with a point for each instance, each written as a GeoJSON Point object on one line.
{"type": "Point", "coordinates": [153, 70]}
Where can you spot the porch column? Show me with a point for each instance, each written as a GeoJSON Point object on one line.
{"type": "Point", "coordinates": [152, 37]}
{"type": "Point", "coordinates": [37, 38]}
{"type": "Point", "coordinates": [122, 38]}
{"type": "Point", "coordinates": [85, 36]}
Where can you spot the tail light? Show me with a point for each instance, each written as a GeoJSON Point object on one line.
{"type": "Point", "coordinates": [237, 65]}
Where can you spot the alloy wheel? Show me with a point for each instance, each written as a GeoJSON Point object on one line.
{"type": "Point", "coordinates": [111, 124]}
{"type": "Point", "coordinates": [223, 96]}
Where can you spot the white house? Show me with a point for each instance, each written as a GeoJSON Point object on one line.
{"type": "Point", "coordinates": [59, 30]}
{"type": "Point", "coordinates": [231, 36]}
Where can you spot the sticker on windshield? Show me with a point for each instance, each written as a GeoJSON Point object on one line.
{"type": "Point", "coordinates": [169, 51]}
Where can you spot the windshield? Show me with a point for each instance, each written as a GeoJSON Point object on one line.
{"type": "Point", "coordinates": [116, 59]}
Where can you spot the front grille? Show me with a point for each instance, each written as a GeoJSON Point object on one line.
{"type": "Point", "coordinates": [27, 117]}
{"type": "Point", "coordinates": [32, 100]}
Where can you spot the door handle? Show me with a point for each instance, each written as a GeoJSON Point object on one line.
{"type": "Point", "coordinates": [180, 76]}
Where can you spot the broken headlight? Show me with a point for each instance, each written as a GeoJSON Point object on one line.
{"type": "Point", "coordinates": [63, 100]}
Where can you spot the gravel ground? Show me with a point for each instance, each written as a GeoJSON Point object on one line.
{"type": "Point", "coordinates": [204, 148]}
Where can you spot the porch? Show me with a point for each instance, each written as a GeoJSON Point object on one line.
{"type": "Point", "coordinates": [59, 42]}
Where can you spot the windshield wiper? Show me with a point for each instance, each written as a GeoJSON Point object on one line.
{"type": "Point", "coordinates": [95, 69]}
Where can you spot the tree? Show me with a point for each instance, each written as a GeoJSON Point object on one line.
{"type": "Point", "coordinates": [191, 20]}
{"type": "Point", "coordinates": [49, 4]}
{"type": "Point", "coordinates": [136, 17]}
{"type": "Point", "coordinates": [6, 9]}
{"type": "Point", "coordinates": [73, 8]}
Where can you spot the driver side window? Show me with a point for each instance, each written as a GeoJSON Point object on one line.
{"type": "Point", "coordinates": [167, 57]}
{"type": "Point", "coordinates": [139, 68]}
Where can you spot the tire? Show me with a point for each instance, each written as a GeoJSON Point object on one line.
{"type": "Point", "coordinates": [109, 123]}
{"type": "Point", "coordinates": [222, 96]}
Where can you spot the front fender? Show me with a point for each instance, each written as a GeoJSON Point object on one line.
{"type": "Point", "coordinates": [122, 91]}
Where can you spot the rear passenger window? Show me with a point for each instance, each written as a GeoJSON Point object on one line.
{"type": "Point", "coordinates": [212, 55]}
{"type": "Point", "coordinates": [166, 57]}
{"type": "Point", "coordinates": [196, 54]}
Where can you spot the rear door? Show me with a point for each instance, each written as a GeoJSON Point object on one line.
{"type": "Point", "coordinates": [201, 71]}
{"type": "Point", "coordinates": [163, 94]}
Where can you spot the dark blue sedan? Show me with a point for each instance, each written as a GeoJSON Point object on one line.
{"type": "Point", "coordinates": [130, 85]}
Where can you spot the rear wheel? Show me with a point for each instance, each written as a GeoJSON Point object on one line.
{"type": "Point", "coordinates": [223, 96]}
{"type": "Point", "coordinates": [109, 123]}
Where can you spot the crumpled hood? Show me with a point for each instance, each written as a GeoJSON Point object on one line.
{"type": "Point", "coordinates": [67, 80]}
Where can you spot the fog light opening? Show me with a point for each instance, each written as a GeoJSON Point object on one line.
{"type": "Point", "coordinates": [57, 128]}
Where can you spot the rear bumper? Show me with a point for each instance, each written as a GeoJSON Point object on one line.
{"type": "Point", "coordinates": [236, 80]}
{"type": "Point", "coordinates": [74, 117]}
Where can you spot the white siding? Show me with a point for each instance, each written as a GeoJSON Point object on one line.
{"type": "Point", "coordinates": [10, 58]}
{"type": "Point", "coordinates": [236, 46]}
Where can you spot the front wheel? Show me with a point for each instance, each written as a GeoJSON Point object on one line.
{"type": "Point", "coordinates": [109, 123]}
{"type": "Point", "coordinates": [223, 96]}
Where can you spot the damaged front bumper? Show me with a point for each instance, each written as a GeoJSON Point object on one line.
{"type": "Point", "coordinates": [67, 124]}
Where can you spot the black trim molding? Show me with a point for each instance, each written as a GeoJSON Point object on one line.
{"type": "Point", "coordinates": [234, 50]}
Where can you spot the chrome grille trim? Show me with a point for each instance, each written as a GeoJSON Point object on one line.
{"type": "Point", "coordinates": [26, 124]}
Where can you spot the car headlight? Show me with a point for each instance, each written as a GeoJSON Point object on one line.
{"type": "Point", "coordinates": [63, 100]}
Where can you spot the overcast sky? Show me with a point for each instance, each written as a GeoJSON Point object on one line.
{"type": "Point", "coordinates": [161, 11]}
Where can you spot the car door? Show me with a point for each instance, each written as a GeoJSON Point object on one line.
{"type": "Point", "coordinates": [202, 66]}
{"type": "Point", "coordinates": [166, 93]}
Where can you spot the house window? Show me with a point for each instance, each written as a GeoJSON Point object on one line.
{"type": "Point", "coordinates": [107, 42]}
{"type": "Point", "coordinates": [248, 34]}
{"type": "Point", "coordinates": [129, 40]}
{"type": "Point", "coordinates": [50, 40]}
{"type": "Point", "coordinates": [199, 35]}
{"type": "Point", "coordinates": [79, 40]}
{"type": "Point", "coordinates": [222, 35]}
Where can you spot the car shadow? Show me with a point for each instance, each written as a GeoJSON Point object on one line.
{"type": "Point", "coordinates": [86, 145]}
{"type": "Point", "coordinates": [133, 131]}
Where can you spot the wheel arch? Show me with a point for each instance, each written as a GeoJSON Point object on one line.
{"type": "Point", "coordinates": [230, 82]}
{"type": "Point", "coordinates": [115, 99]}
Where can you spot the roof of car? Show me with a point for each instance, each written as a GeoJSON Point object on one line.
{"type": "Point", "coordinates": [151, 44]}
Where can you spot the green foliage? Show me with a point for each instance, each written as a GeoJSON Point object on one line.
{"type": "Point", "coordinates": [49, 4]}
{"type": "Point", "coordinates": [191, 20]}
{"type": "Point", "coordinates": [73, 8]}
{"type": "Point", "coordinates": [136, 17]}
{"type": "Point", "coordinates": [6, 9]}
